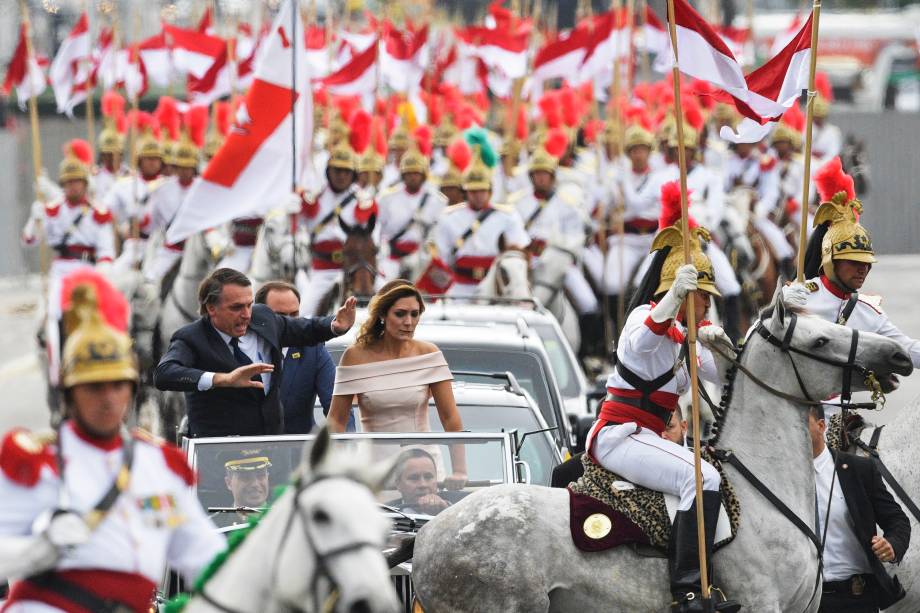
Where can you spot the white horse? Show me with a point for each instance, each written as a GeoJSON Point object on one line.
{"type": "Point", "coordinates": [280, 253]}
{"type": "Point", "coordinates": [509, 548]}
{"type": "Point", "coordinates": [548, 280]}
{"type": "Point", "coordinates": [318, 549]}
{"type": "Point", "coordinates": [508, 277]}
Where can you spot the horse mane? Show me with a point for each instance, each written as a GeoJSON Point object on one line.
{"type": "Point", "coordinates": [178, 603]}
{"type": "Point", "coordinates": [728, 390]}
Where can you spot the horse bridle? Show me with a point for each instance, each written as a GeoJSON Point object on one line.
{"type": "Point", "coordinates": [848, 367]}
{"type": "Point", "coordinates": [322, 558]}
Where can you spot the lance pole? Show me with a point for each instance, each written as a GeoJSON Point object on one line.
{"type": "Point", "coordinates": [690, 318]}
{"type": "Point", "coordinates": [44, 255]}
{"type": "Point", "coordinates": [809, 118]}
{"type": "Point", "coordinates": [91, 88]}
{"type": "Point", "coordinates": [620, 210]}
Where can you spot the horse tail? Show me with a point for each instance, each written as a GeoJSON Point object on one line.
{"type": "Point", "coordinates": [401, 554]}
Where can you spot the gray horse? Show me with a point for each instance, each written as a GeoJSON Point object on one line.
{"type": "Point", "coordinates": [508, 548]}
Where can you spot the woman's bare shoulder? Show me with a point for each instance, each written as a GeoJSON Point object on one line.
{"type": "Point", "coordinates": [353, 356]}
{"type": "Point", "coordinates": [424, 347]}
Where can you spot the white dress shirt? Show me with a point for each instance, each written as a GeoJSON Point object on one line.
{"type": "Point", "coordinates": [256, 349]}
{"type": "Point", "coordinates": [843, 555]}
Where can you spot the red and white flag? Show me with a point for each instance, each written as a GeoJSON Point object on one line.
{"type": "Point", "coordinates": [608, 40]}
{"type": "Point", "coordinates": [403, 57]}
{"type": "Point", "coordinates": [655, 37]}
{"type": "Point", "coordinates": [156, 58]}
{"type": "Point", "coordinates": [252, 171]}
{"type": "Point", "coordinates": [783, 38]}
{"type": "Point", "coordinates": [503, 52]}
{"type": "Point", "coordinates": [560, 57]}
{"type": "Point", "coordinates": [72, 68]}
{"type": "Point", "coordinates": [24, 72]}
{"type": "Point", "coordinates": [356, 78]}
{"type": "Point", "coordinates": [761, 97]}
{"type": "Point", "coordinates": [317, 51]}
{"type": "Point", "coordinates": [192, 52]}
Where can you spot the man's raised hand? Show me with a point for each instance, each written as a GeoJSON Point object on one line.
{"type": "Point", "coordinates": [242, 376]}
{"type": "Point", "coordinates": [345, 317]}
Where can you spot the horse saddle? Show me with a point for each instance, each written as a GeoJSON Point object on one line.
{"type": "Point", "coordinates": [606, 511]}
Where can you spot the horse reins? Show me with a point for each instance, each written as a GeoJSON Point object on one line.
{"type": "Point", "coordinates": [323, 558]}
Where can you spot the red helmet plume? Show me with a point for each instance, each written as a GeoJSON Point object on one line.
{"type": "Point", "coordinates": [556, 142]}
{"type": "Point", "coordinates": [423, 139]}
{"type": "Point", "coordinates": [831, 180]}
{"type": "Point", "coordinates": [167, 115]}
{"type": "Point", "coordinates": [460, 154]}
{"type": "Point", "coordinates": [522, 126]}
{"type": "Point", "coordinates": [80, 149]}
{"type": "Point", "coordinates": [379, 137]}
{"type": "Point", "coordinates": [823, 86]}
{"type": "Point", "coordinates": [359, 130]}
{"type": "Point", "coordinates": [196, 123]}
{"type": "Point", "coordinates": [670, 206]}
{"type": "Point", "coordinates": [113, 104]}
{"type": "Point", "coordinates": [549, 107]}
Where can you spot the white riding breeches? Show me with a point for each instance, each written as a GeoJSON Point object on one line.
{"type": "Point", "coordinates": [775, 237]}
{"type": "Point", "coordinates": [646, 459]}
{"type": "Point", "coordinates": [389, 268]}
{"type": "Point", "coordinates": [239, 259]}
{"type": "Point", "coordinates": [132, 254]}
{"type": "Point", "coordinates": [164, 259]}
{"type": "Point", "coordinates": [726, 281]}
{"type": "Point", "coordinates": [593, 261]}
{"type": "Point", "coordinates": [318, 284]}
{"type": "Point", "coordinates": [32, 606]}
{"type": "Point", "coordinates": [583, 298]}
{"type": "Point", "coordinates": [618, 273]}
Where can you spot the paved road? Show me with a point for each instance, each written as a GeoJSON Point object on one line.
{"type": "Point", "coordinates": [22, 388]}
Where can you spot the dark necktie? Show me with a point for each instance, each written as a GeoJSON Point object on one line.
{"type": "Point", "coordinates": [241, 358]}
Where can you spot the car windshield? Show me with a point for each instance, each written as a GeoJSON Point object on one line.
{"type": "Point", "coordinates": [537, 450]}
{"type": "Point", "coordinates": [561, 363]}
{"type": "Point", "coordinates": [237, 477]}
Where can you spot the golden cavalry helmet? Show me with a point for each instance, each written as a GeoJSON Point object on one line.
{"type": "Point", "coordinates": [543, 160]}
{"type": "Point", "coordinates": [76, 163]}
{"type": "Point", "coordinates": [413, 161]}
{"type": "Point", "coordinates": [342, 156]}
{"type": "Point", "coordinates": [110, 140]}
{"type": "Point", "coordinates": [691, 137]}
{"type": "Point", "coordinates": [845, 238]}
{"type": "Point", "coordinates": [95, 351]}
{"type": "Point", "coordinates": [371, 161]}
{"type": "Point", "coordinates": [636, 136]}
{"type": "Point", "coordinates": [400, 138]}
{"type": "Point", "coordinates": [477, 176]}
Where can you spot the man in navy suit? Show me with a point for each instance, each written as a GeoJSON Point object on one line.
{"type": "Point", "coordinates": [308, 370]}
{"type": "Point", "coordinates": [229, 361]}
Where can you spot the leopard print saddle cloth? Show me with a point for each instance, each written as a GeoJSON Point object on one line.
{"type": "Point", "coordinates": [606, 511]}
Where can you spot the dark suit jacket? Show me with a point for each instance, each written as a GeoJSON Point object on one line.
{"type": "Point", "coordinates": [198, 348]}
{"type": "Point", "coordinates": [870, 503]}
{"type": "Point", "coordinates": [308, 372]}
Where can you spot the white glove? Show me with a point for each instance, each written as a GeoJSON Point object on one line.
{"type": "Point", "coordinates": [21, 556]}
{"type": "Point", "coordinates": [685, 281]}
{"type": "Point", "coordinates": [795, 295]}
{"type": "Point", "coordinates": [714, 335]}
{"type": "Point", "coordinates": [63, 529]}
{"type": "Point", "coordinates": [291, 203]}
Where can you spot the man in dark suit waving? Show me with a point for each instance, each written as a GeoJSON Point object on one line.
{"type": "Point", "coordinates": [855, 578]}
{"type": "Point", "coordinates": [226, 361]}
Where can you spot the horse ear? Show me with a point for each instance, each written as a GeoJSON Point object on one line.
{"type": "Point", "coordinates": [371, 222]}
{"type": "Point", "coordinates": [779, 307]}
{"type": "Point", "coordinates": [501, 243]}
{"type": "Point", "coordinates": [345, 227]}
{"type": "Point", "coordinates": [318, 450]}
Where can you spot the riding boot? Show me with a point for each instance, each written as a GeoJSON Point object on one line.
{"type": "Point", "coordinates": [731, 317]}
{"type": "Point", "coordinates": [787, 268]}
{"type": "Point", "coordinates": [684, 560]}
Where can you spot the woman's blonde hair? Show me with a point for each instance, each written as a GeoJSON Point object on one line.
{"type": "Point", "coordinates": [381, 303]}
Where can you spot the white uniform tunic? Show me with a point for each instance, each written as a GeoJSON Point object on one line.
{"type": "Point", "coordinates": [157, 521]}
{"type": "Point", "coordinates": [560, 222]}
{"type": "Point", "coordinates": [826, 144]}
{"type": "Point", "coordinates": [128, 201]}
{"type": "Point", "coordinates": [756, 173]}
{"type": "Point", "coordinates": [405, 222]}
{"type": "Point", "coordinates": [102, 182]}
{"type": "Point", "coordinates": [828, 301]}
{"type": "Point", "coordinates": [321, 217]}
{"type": "Point", "coordinates": [470, 259]}
{"type": "Point", "coordinates": [165, 201]}
{"type": "Point", "coordinates": [641, 193]}
{"type": "Point", "coordinates": [638, 453]}
{"type": "Point", "coordinates": [80, 235]}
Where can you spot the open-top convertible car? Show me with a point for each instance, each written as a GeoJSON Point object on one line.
{"type": "Point", "coordinates": [237, 475]}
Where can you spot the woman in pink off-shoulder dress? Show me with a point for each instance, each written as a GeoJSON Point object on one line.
{"type": "Point", "coordinates": [393, 375]}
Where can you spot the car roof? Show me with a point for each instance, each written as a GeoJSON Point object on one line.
{"type": "Point", "coordinates": [486, 312]}
{"type": "Point", "coordinates": [488, 394]}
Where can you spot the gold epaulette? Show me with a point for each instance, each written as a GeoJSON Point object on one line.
{"type": "Point", "coordinates": [392, 189]}
{"type": "Point", "coordinates": [516, 196]}
{"type": "Point", "coordinates": [147, 436]}
{"type": "Point", "coordinates": [453, 208]}
{"type": "Point", "coordinates": [811, 286]}
{"type": "Point", "coordinates": [34, 443]}
{"type": "Point", "coordinates": [503, 207]}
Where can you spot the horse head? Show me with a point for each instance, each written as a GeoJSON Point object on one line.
{"type": "Point", "coordinates": [337, 528]}
{"type": "Point", "coordinates": [826, 357]}
{"type": "Point", "coordinates": [359, 257]}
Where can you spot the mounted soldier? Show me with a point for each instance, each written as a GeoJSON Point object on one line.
{"type": "Point", "coordinates": [469, 236]}
{"type": "Point", "coordinates": [325, 216]}
{"type": "Point", "coordinates": [91, 515]}
{"type": "Point", "coordinates": [78, 232]}
{"type": "Point", "coordinates": [643, 392]}
{"type": "Point", "coordinates": [838, 259]}
{"type": "Point", "coordinates": [408, 211]}
{"type": "Point", "coordinates": [110, 144]}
